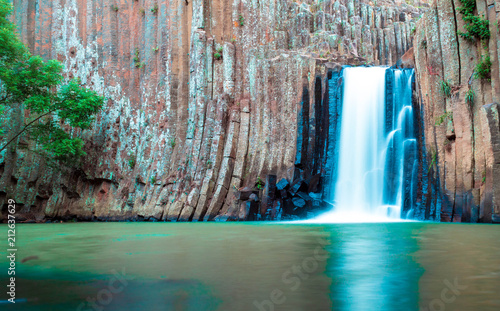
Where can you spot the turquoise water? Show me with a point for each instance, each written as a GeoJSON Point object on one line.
{"type": "Point", "coordinates": [247, 266]}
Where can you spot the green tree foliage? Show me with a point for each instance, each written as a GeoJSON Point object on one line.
{"type": "Point", "coordinates": [53, 112]}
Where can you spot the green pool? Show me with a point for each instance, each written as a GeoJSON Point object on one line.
{"type": "Point", "coordinates": [255, 266]}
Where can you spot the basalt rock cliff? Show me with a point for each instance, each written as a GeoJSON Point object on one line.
{"type": "Point", "coordinates": [207, 101]}
{"type": "Point", "coordinates": [460, 109]}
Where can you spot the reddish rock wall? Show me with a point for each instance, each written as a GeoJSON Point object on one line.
{"type": "Point", "coordinates": [182, 130]}
{"type": "Point", "coordinates": [466, 145]}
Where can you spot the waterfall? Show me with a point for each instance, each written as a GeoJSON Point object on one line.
{"type": "Point", "coordinates": [374, 169]}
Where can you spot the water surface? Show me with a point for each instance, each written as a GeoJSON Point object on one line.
{"type": "Point", "coordinates": [247, 266]}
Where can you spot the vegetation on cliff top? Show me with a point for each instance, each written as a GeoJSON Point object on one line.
{"type": "Point", "coordinates": [40, 107]}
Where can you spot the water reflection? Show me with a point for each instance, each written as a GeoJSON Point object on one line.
{"type": "Point", "coordinates": [372, 267]}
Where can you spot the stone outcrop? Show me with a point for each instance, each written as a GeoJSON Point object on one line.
{"type": "Point", "coordinates": [204, 98]}
{"type": "Point", "coordinates": [461, 135]}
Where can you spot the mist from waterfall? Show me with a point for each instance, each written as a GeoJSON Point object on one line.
{"type": "Point", "coordinates": [377, 147]}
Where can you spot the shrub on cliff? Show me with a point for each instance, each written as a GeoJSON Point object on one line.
{"type": "Point", "coordinates": [42, 108]}
{"type": "Point", "coordinates": [483, 69]}
{"type": "Point", "coordinates": [476, 26]}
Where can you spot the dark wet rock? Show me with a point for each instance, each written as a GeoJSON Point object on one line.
{"type": "Point", "coordinates": [253, 214]}
{"type": "Point", "coordinates": [269, 195]}
{"type": "Point", "coordinates": [253, 197]}
{"type": "Point", "coordinates": [314, 184]}
{"type": "Point", "coordinates": [495, 219]}
{"type": "Point", "coordinates": [299, 185]}
{"type": "Point", "coordinates": [283, 184]}
{"type": "Point", "coordinates": [316, 199]}
{"type": "Point", "coordinates": [299, 206]}
{"type": "Point", "coordinates": [288, 206]}
{"type": "Point", "coordinates": [283, 194]}
{"type": "Point", "coordinates": [298, 202]}
{"type": "Point", "coordinates": [304, 196]}
{"type": "Point", "coordinates": [244, 194]}
{"type": "Point", "coordinates": [297, 173]}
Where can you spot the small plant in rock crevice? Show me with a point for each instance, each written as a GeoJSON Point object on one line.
{"type": "Point", "coordinates": [172, 143]}
{"type": "Point", "coordinates": [446, 88]}
{"type": "Point", "coordinates": [433, 156]}
{"type": "Point", "coordinates": [131, 161]}
{"type": "Point", "coordinates": [483, 69]}
{"type": "Point", "coordinates": [469, 98]}
{"type": "Point", "coordinates": [115, 8]}
{"type": "Point", "coordinates": [440, 119]}
{"type": "Point", "coordinates": [218, 53]}
{"type": "Point", "coordinates": [137, 59]}
{"type": "Point", "coordinates": [423, 44]}
{"type": "Point", "coordinates": [241, 19]}
{"type": "Point", "coordinates": [154, 9]}
{"type": "Point", "coordinates": [259, 184]}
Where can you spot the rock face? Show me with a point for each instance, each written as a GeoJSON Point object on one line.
{"type": "Point", "coordinates": [203, 98]}
{"type": "Point", "coordinates": [461, 135]}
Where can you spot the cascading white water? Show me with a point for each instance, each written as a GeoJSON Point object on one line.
{"type": "Point", "coordinates": [360, 182]}
{"type": "Point", "coordinates": [375, 137]}
{"type": "Point", "coordinates": [401, 146]}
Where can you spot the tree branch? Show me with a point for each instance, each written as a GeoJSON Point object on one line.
{"type": "Point", "coordinates": [25, 128]}
{"type": "Point", "coordinates": [4, 99]}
